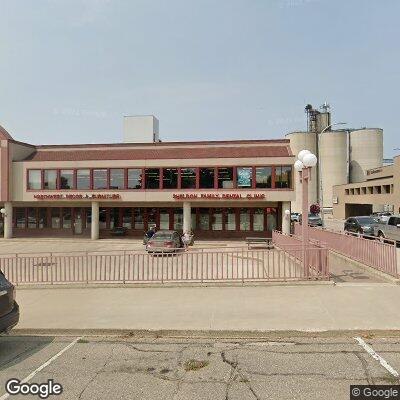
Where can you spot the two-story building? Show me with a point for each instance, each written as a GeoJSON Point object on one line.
{"type": "Point", "coordinates": [218, 189]}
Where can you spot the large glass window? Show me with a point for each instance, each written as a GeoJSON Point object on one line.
{"type": "Point", "coordinates": [83, 179]}
{"type": "Point", "coordinates": [204, 219]}
{"type": "Point", "coordinates": [152, 217]}
{"type": "Point", "coordinates": [31, 217]}
{"type": "Point", "coordinates": [244, 219]}
{"type": "Point", "coordinates": [188, 178]}
{"type": "Point", "coordinates": [152, 178]}
{"type": "Point", "coordinates": [271, 219]}
{"type": "Point", "coordinates": [66, 213]}
{"type": "Point", "coordinates": [230, 224]}
{"type": "Point", "coordinates": [207, 178]}
{"type": "Point", "coordinates": [283, 177]}
{"type": "Point", "coordinates": [103, 218]}
{"type": "Point", "coordinates": [43, 217]}
{"type": "Point", "coordinates": [194, 219]}
{"type": "Point", "coordinates": [127, 218]}
{"type": "Point", "coordinates": [55, 218]}
{"type": "Point", "coordinates": [117, 178]}
{"type": "Point", "coordinates": [178, 219]}
{"type": "Point", "coordinates": [50, 179]}
{"type": "Point", "coordinates": [34, 179]}
{"type": "Point", "coordinates": [139, 218]}
{"type": "Point", "coordinates": [164, 218]}
{"type": "Point", "coordinates": [263, 177]}
{"type": "Point", "coordinates": [66, 179]}
{"type": "Point", "coordinates": [244, 177]}
{"type": "Point", "coordinates": [114, 217]}
{"type": "Point", "coordinates": [100, 179]}
{"type": "Point", "coordinates": [217, 219]}
{"type": "Point", "coordinates": [225, 178]}
{"type": "Point", "coordinates": [170, 178]}
{"type": "Point", "coordinates": [20, 217]}
{"type": "Point", "coordinates": [134, 178]}
{"type": "Point", "coordinates": [258, 219]}
{"type": "Point", "coordinates": [88, 218]}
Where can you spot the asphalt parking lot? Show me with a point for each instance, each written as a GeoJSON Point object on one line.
{"type": "Point", "coordinates": [124, 367]}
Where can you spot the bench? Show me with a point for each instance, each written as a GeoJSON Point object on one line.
{"type": "Point", "coordinates": [265, 242]}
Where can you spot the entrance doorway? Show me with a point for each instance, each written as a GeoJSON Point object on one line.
{"type": "Point", "coordinates": [78, 221]}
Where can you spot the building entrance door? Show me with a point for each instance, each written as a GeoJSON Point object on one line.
{"type": "Point", "coordinates": [78, 221]}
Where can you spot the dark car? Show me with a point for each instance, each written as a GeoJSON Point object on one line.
{"type": "Point", "coordinates": [164, 242]}
{"type": "Point", "coordinates": [363, 225]}
{"type": "Point", "coordinates": [9, 310]}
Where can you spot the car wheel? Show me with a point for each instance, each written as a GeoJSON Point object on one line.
{"type": "Point", "coordinates": [381, 236]}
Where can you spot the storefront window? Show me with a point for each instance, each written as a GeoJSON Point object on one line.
{"type": "Point", "coordinates": [225, 178]}
{"type": "Point", "coordinates": [43, 218]}
{"type": "Point", "coordinates": [204, 219]}
{"type": "Point", "coordinates": [258, 219]}
{"type": "Point", "coordinates": [194, 219]}
{"type": "Point", "coordinates": [50, 179]}
{"type": "Point", "coordinates": [217, 220]}
{"type": "Point", "coordinates": [244, 177]}
{"type": "Point", "coordinates": [31, 217]}
{"type": "Point", "coordinates": [66, 212]}
{"type": "Point", "coordinates": [88, 218]}
{"type": "Point", "coordinates": [55, 218]}
{"type": "Point", "coordinates": [66, 179]}
{"type": "Point", "coordinates": [164, 218]}
{"type": "Point", "coordinates": [20, 217]}
{"type": "Point", "coordinates": [151, 217]}
{"type": "Point", "coordinates": [83, 179]}
{"type": "Point", "coordinates": [230, 224]}
{"type": "Point", "coordinates": [127, 218]}
{"type": "Point", "coordinates": [207, 178]}
{"type": "Point", "coordinates": [134, 178]}
{"type": "Point", "coordinates": [263, 177]}
{"type": "Point", "coordinates": [271, 219]}
{"type": "Point", "coordinates": [188, 178]}
{"type": "Point", "coordinates": [114, 217]}
{"type": "Point", "coordinates": [244, 219]}
{"type": "Point", "coordinates": [170, 178]}
{"type": "Point", "coordinates": [117, 178]}
{"type": "Point", "coordinates": [152, 178]}
{"type": "Point", "coordinates": [34, 179]}
{"type": "Point", "coordinates": [103, 218]}
{"type": "Point", "coordinates": [100, 179]}
{"type": "Point", "coordinates": [283, 177]}
{"type": "Point", "coordinates": [139, 218]}
{"type": "Point", "coordinates": [178, 219]}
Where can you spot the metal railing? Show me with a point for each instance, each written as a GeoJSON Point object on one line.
{"type": "Point", "coordinates": [200, 265]}
{"type": "Point", "coordinates": [317, 257]}
{"type": "Point", "coordinates": [367, 250]}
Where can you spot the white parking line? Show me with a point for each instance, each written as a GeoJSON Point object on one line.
{"type": "Point", "coordinates": [48, 362]}
{"type": "Point", "coordinates": [376, 356]}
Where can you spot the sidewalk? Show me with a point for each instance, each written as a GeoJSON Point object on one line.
{"type": "Point", "coordinates": [373, 306]}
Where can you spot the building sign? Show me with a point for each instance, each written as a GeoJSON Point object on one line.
{"type": "Point", "coordinates": [78, 196]}
{"type": "Point", "coordinates": [219, 196]}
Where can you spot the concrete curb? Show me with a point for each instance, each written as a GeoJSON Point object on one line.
{"type": "Point", "coordinates": [202, 334]}
{"type": "Point", "coordinates": [170, 285]}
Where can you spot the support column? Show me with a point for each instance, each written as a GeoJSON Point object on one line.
{"type": "Point", "coordinates": [95, 221]}
{"type": "Point", "coordinates": [187, 217]}
{"type": "Point", "coordinates": [285, 218]}
{"type": "Point", "coordinates": [8, 218]}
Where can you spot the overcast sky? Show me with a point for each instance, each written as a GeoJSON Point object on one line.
{"type": "Point", "coordinates": [226, 69]}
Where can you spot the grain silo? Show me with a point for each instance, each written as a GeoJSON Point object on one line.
{"type": "Point", "coordinates": [333, 158]}
{"type": "Point", "coordinates": [303, 141]}
{"type": "Point", "coordinates": [366, 152]}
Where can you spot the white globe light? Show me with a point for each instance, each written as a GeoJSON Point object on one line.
{"type": "Point", "coordinates": [302, 153]}
{"type": "Point", "coordinates": [310, 160]}
{"type": "Point", "coordinates": [287, 212]}
{"type": "Point", "coordinates": [298, 165]}
{"type": "Point", "coordinates": [3, 211]}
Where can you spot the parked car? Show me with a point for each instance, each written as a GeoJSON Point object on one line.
{"type": "Point", "coordinates": [164, 242]}
{"type": "Point", "coordinates": [295, 217]}
{"type": "Point", "coordinates": [313, 219]}
{"type": "Point", "coordinates": [363, 225]}
{"type": "Point", "coordinates": [382, 216]}
{"type": "Point", "coordinates": [389, 229]}
{"type": "Point", "coordinates": [9, 309]}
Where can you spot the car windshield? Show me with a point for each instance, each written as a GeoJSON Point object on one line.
{"type": "Point", "coordinates": [366, 220]}
{"type": "Point", "coordinates": [162, 235]}
{"type": "Point", "coordinates": [313, 215]}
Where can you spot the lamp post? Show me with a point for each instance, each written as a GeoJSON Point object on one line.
{"type": "Point", "coordinates": [306, 160]}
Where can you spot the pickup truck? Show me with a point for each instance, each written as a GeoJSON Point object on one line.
{"type": "Point", "coordinates": [389, 229]}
